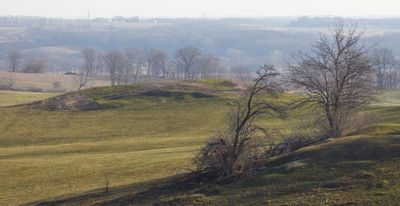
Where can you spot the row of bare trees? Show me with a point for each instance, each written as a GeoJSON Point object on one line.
{"type": "Point", "coordinates": [128, 65]}
{"type": "Point", "coordinates": [387, 69]}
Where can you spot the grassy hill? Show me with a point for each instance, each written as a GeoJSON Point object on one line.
{"type": "Point", "coordinates": [358, 170]}
{"type": "Point", "coordinates": [59, 149]}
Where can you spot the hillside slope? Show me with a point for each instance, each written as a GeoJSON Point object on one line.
{"type": "Point", "coordinates": [48, 151]}
{"type": "Point", "coordinates": [55, 149]}
{"type": "Point", "coordinates": [358, 170]}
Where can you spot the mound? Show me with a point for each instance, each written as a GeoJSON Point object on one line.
{"type": "Point", "coordinates": [90, 99]}
{"type": "Point", "coordinates": [71, 101]}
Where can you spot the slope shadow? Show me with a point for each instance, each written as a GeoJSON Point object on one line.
{"type": "Point", "coordinates": [347, 153]}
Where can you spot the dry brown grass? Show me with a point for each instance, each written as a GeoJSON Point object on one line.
{"type": "Point", "coordinates": [44, 82]}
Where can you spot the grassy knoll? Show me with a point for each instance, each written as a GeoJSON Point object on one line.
{"type": "Point", "coordinates": [140, 133]}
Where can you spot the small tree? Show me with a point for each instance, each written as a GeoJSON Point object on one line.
{"type": "Point", "coordinates": [241, 72]}
{"type": "Point", "coordinates": [232, 151]}
{"type": "Point", "coordinates": [114, 61]}
{"type": "Point", "coordinates": [385, 64]}
{"type": "Point", "coordinates": [186, 59]}
{"type": "Point", "coordinates": [337, 76]}
{"type": "Point", "coordinates": [35, 65]}
{"type": "Point", "coordinates": [14, 59]}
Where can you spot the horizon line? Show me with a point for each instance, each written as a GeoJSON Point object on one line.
{"type": "Point", "coordinates": [207, 17]}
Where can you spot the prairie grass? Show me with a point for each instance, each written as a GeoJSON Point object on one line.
{"type": "Point", "coordinates": [46, 154]}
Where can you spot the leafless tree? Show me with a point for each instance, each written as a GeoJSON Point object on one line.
{"type": "Point", "coordinates": [14, 59]}
{"type": "Point", "coordinates": [233, 150]}
{"type": "Point", "coordinates": [208, 66]}
{"type": "Point", "coordinates": [241, 72]}
{"type": "Point", "coordinates": [134, 61]}
{"type": "Point", "coordinates": [337, 76]}
{"type": "Point", "coordinates": [10, 82]}
{"type": "Point", "coordinates": [159, 67]}
{"type": "Point", "coordinates": [385, 65]}
{"type": "Point", "coordinates": [186, 59]}
{"type": "Point", "coordinates": [114, 61]}
{"type": "Point", "coordinates": [89, 67]}
{"type": "Point", "coordinates": [35, 65]}
{"type": "Point", "coordinates": [155, 63]}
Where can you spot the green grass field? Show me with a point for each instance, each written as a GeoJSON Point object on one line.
{"type": "Point", "coordinates": [139, 137]}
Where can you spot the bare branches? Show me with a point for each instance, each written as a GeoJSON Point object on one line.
{"type": "Point", "coordinates": [386, 68]}
{"type": "Point", "coordinates": [336, 76]}
{"type": "Point", "coordinates": [185, 60]}
{"type": "Point", "coordinates": [233, 150]}
{"type": "Point", "coordinates": [89, 67]}
{"type": "Point", "coordinates": [14, 59]}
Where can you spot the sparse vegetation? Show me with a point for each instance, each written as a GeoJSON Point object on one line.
{"type": "Point", "coordinates": [129, 122]}
{"type": "Point", "coordinates": [82, 147]}
{"type": "Point", "coordinates": [336, 77]}
{"type": "Point", "coordinates": [234, 150]}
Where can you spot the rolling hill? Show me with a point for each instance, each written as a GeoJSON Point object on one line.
{"type": "Point", "coordinates": [140, 139]}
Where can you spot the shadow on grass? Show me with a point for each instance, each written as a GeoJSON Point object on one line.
{"type": "Point", "coordinates": [344, 164]}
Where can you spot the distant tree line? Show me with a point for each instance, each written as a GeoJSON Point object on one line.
{"type": "Point", "coordinates": [126, 66]}
{"type": "Point", "coordinates": [27, 64]}
{"type": "Point", "coordinates": [387, 69]}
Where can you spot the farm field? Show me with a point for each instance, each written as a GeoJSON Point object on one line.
{"type": "Point", "coordinates": [43, 82]}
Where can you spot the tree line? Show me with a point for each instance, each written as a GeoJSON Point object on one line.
{"type": "Point", "coordinates": [126, 66]}
{"type": "Point", "coordinates": [27, 64]}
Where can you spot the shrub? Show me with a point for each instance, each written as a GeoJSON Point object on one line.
{"type": "Point", "coordinates": [234, 150]}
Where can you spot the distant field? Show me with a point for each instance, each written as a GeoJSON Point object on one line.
{"type": "Point", "coordinates": [44, 82]}
{"type": "Point", "coordinates": [135, 138]}
{"type": "Point", "coordinates": [8, 98]}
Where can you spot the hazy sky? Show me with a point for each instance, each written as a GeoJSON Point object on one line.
{"type": "Point", "coordinates": [196, 8]}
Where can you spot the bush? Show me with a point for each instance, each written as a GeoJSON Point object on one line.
{"type": "Point", "coordinates": [220, 159]}
{"type": "Point", "coordinates": [234, 150]}
{"type": "Point", "coordinates": [57, 85]}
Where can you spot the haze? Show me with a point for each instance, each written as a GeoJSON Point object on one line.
{"type": "Point", "coordinates": [195, 8]}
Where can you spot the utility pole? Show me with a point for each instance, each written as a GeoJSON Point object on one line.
{"type": "Point", "coordinates": [88, 19]}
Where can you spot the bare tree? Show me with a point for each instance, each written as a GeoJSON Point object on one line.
{"type": "Point", "coordinates": [10, 83]}
{"type": "Point", "coordinates": [186, 59]}
{"type": "Point", "coordinates": [337, 76]}
{"type": "Point", "coordinates": [14, 59]}
{"type": "Point", "coordinates": [133, 64]}
{"type": "Point", "coordinates": [89, 67]}
{"type": "Point", "coordinates": [208, 66]}
{"type": "Point", "coordinates": [233, 150]}
{"type": "Point", "coordinates": [159, 67]}
{"type": "Point", "coordinates": [155, 63]}
{"type": "Point", "coordinates": [385, 64]}
{"type": "Point", "coordinates": [114, 61]}
{"type": "Point", "coordinates": [241, 72]}
{"type": "Point", "coordinates": [35, 65]}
